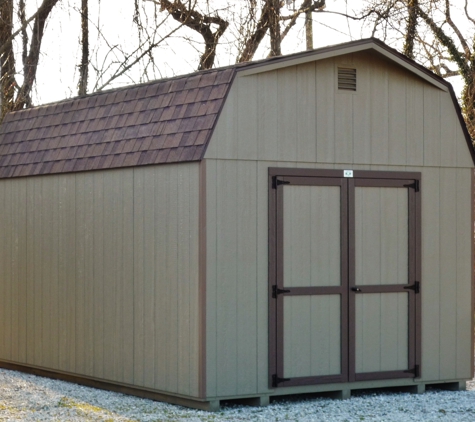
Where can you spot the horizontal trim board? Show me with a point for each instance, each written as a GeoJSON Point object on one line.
{"type": "Point", "coordinates": [357, 174]}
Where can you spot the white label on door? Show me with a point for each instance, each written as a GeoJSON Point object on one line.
{"type": "Point", "coordinates": [347, 173]}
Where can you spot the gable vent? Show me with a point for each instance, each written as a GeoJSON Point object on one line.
{"type": "Point", "coordinates": [347, 79]}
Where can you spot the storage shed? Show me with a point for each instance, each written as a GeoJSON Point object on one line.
{"type": "Point", "coordinates": [299, 224]}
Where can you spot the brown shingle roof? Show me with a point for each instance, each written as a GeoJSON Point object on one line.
{"type": "Point", "coordinates": [166, 121]}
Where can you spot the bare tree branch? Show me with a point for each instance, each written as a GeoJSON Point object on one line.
{"type": "Point", "coordinates": [201, 23]}
{"type": "Point", "coordinates": [449, 20]}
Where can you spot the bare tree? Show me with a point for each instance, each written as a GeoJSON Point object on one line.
{"type": "Point", "coordinates": [16, 96]}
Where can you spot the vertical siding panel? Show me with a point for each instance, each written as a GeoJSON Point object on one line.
{"type": "Point", "coordinates": [193, 202]}
{"type": "Point", "coordinates": [227, 277]}
{"type": "Point", "coordinates": [162, 294]}
{"type": "Point", "coordinates": [172, 265]}
{"type": "Point", "coordinates": [431, 126]}
{"type": "Point", "coordinates": [148, 255]}
{"type": "Point", "coordinates": [397, 118]}
{"type": "Point", "coordinates": [464, 232]}
{"type": "Point", "coordinates": [89, 274]}
{"type": "Point", "coordinates": [140, 299]}
{"type": "Point", "coordinates": [80, 294]}
{"type": "Point", "coordinates": [32, 347]}
{"type": "Point", "coordinates": [343, 127]}
{"type": "Point", "coordinates": [286, 109]}
{"type": "Point", "coordinates": [67, 273]}
{"type": "Point", "coordinates": [325, 84]}
{"type": "Point", "coordinates": [414, 121]}
{"type": "Point", "coordinates": [268, 122]}
{"type": "Point", "coordinates": [111, 259]}
{"type": "Point", "coordinates": [430, 274]}
{"type": "Point", "coordinates": [127, 277]}
{"type": "Point", "coordinates": [49, 265]}
{"type": "Point", "coordinates": [101, 215]}
{"type": "Point", "coordinates": [379, 114]}
{"type": "Point", "coordinates": [246, 222]}
{"type": "Point", "coordinates": [21, 260]}
{"type": "Point", "coordinates": [7, 281]}
{"type": "Point", "coordinates": [183, 282]}
{"type": "Point", "coordinates": [448, 131]}
{"type": "Point", "coordinates": [5, 269]}
{"type": "Point", "coordinates": [305, 136]}
{"type": "Point", "coordinates": [211, 278]}
{"type": "Point", "coordinates": [361, 106]}
{"type": "Point", "coordinates": [37, 282]}
{"type": "Point", "coordinates": [247, 119]}
{"type": "Point", "coordinates": [448, 274]}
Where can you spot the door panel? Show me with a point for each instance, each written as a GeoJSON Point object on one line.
{"type": "Point", "coordinates": [309, 216]}
{"type": "Point", "coordinates": [382, 334]}
{"type": "Point", "coordinates": [312, 336]}
{"type": "Point", "coordinates": [381, 235]}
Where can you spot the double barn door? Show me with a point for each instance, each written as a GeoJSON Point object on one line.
{"type": "Point", "coordinates": [344, 276]}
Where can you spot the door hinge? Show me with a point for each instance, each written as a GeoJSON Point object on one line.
{"type": "Point", "coordinates": [414, 185]}
{"type": "Point", "coordinates": [276, 291]}
{"type": "Point", "coordinates": [276, 182]}
{"type": "Point", "coordinates": [276, 380]}
{"type": "Point", "coordinates": [416, 371]}
{"type": "Point", "coordinates": [416, 287]}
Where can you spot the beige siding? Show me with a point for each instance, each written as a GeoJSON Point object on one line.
{"type": "Point", "coordinates": [298, 114]}
{"type": "Point", "coordinates": [100, 275]}
{"type": "Point", "coordinates": [445, 310]}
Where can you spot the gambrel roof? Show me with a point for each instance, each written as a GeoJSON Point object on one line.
{"type": "Point", "coordinates": [165, 121]}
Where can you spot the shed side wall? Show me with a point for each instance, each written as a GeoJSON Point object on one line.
{"type": "Point", "coordinates": [99, 275]}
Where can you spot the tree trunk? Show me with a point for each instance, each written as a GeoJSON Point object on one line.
{"type": "Point", "coordinates": [7, 58]}
{"type": "Point", "coordinates": [31, 66]}
{"type": "Point", "coordinates": [83, 68]}
{"type": "Point", "coordinates": [411, 29]}
{"type": "Point", "coordinates": [274, 28]}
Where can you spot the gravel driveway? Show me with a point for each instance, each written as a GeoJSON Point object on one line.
{"type": "Point", "coordinates": [29, 398]}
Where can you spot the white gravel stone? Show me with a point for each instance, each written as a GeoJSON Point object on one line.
{"type": "Point", "coordinates": [26, 397]}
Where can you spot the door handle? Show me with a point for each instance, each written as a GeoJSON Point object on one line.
{"type": "Point", "coordinates": [356, 289]}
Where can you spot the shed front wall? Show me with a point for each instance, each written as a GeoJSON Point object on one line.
{"type": "Point", "coordinates": [295, 117]}
{"type": "Point", "coordinates": [99, 275]}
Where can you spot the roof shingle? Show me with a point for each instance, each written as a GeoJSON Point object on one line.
{"type": "Point", "coordinates": [166, 121]}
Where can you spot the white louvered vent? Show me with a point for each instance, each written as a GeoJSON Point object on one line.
{"type": "Point", "coordinates": [347, 79]}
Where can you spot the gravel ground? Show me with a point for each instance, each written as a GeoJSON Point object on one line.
{"type": "Point", "coordinates": [29, 398]}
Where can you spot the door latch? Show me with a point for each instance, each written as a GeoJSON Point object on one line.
{"type": "Point", "coordinates": [276, 291]}
{"type": "Point", "coordinates": [356, 289]}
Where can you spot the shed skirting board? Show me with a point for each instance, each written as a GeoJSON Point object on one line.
{"type": "Point", "coordinates": [113, 386]}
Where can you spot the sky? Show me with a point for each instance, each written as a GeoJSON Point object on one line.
{"type": "Point", "coordinates": [112, 20]}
